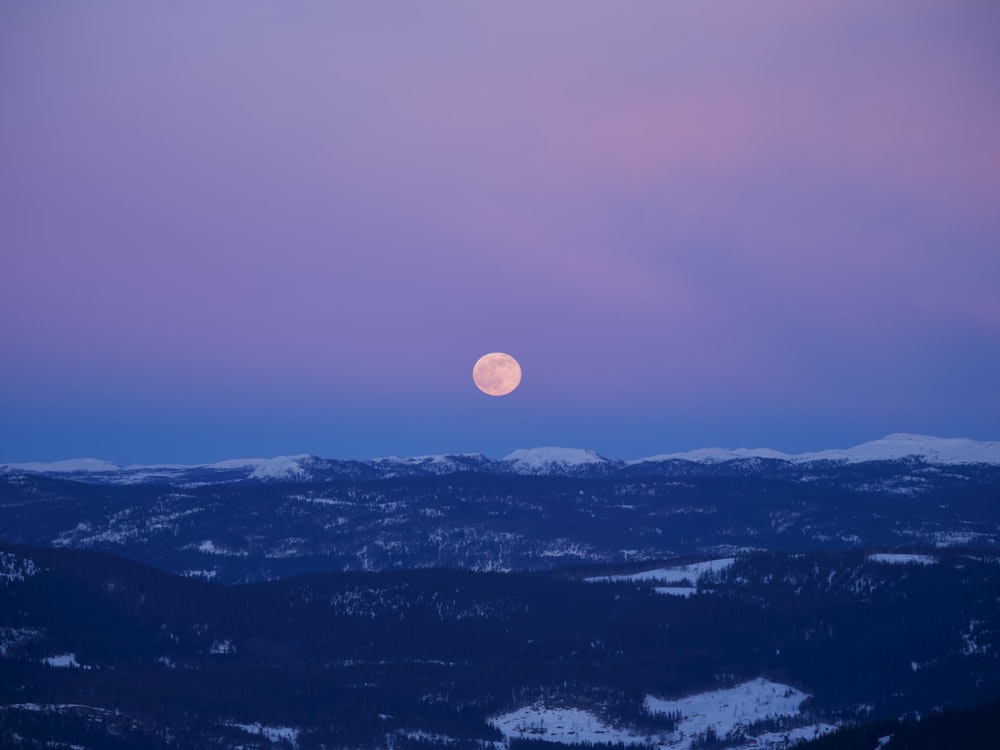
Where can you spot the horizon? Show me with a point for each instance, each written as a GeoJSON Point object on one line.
{"type": "Point", "coordinates": [905, 437]}
{"type": "Point", "coordinates": [251, 229]}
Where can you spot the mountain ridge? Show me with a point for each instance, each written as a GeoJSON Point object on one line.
{"type": "Point", "coordinates": [253, 521]}
{"type": "Point", "coordinates": [555, 461]}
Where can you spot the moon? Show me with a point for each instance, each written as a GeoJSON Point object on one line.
{"type": "Point", "coordinates": [496, 374]}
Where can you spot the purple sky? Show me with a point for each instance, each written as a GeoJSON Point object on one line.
{"type": "Point", "coordinates": [238, 228]}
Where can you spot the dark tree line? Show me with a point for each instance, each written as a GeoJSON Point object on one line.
{"type": "Point", "coordinates": [353, 658]}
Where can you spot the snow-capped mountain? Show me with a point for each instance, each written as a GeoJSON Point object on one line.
{"type": "Point", "coordinates": [285, 468]}
{"type": "Point", "coordinates": [554, 461]}
{"type": "Point", "coordinates": [535, 461]}
{"type": "Point", "coordinates": [538, 508]}
{"type": "Point", "coordinates": [932, 450]}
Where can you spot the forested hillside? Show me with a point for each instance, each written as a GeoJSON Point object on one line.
{"type": "Point", "coordinates": [96, 644]}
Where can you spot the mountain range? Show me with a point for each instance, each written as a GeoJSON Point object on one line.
{"type": "Point", "coordinates": [538, 461]}
{"type": "Point", "coordinates": [257, 519]}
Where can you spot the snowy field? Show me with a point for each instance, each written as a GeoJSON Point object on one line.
{"type": "Point", "coordinates": [734, 709]}
{"type": "Point", "coordinates": [902, 559]}
{"type": "Point", "coordinates": [289, 735]}
{"type": "Point", "coordinates": [680, 580]}
{"type": "Point", "coordinates": [63, 660]}
{"type": "Point", "coordinates": [676, 590]}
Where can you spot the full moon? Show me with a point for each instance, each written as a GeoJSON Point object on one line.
{"type": "Point", "coordinates": [496, 374]}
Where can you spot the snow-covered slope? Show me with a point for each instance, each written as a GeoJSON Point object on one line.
{"type": "Point", "coordinates": [893, 447]}
{"type": "Point", "coordinates": [546, 460]}
{"type": "Point", "coordinates": [933, 450]}
{"type": "Point", "coordinates": [284, 467]}
{"type": "Point", "coordinates": [740, 707]}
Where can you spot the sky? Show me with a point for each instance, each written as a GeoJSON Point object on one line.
{"type": "Point", "coordinates": [255, 228]}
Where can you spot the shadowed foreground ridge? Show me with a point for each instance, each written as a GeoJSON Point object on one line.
{"type": "Point", "coordinates": [94, 643]}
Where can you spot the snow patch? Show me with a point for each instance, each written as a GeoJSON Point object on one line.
{"type": "Point", "coordinates": [62, 660]}
{"type": "Point", "coordinates": [209, 547]}
{"type": "Point", "coordinates": [205, 575]}
{"type": "Point", "coordinates": [560, 724]}
{"type": "Point", "coordinates": [566, 548]}
{"type": "Point", "coordinates": [684, 591]}
{"type": "Point", "coordinates": [894, 558]}
{"type": "Point", "coordinates": [970, 644]}
{"type": "Point", "coordinates": [731, 710]}
{"type": "Point", "coordinates": [679, 580]}
{"type": "Point", "coordinates": [959, 538]}
{"type": "Point", "coordinates": [272, 733]}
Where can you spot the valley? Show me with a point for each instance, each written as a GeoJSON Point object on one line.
{"type": "Point", "coordinates": [553, 598]}
{"type": "Point", "coordinates": [771, 647]}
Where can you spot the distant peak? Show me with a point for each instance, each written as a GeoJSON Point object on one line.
{"type": "Point", "coordinates": [284, 467]}
{"type": "Point", "coordinates": [892, 447]}
{"type": "Point", "coordinates": [68, 465]}
{"type": "Point", "coordinates": [429, 459]}
{"type": "Point", "coordinates": [718, 455]}
{"type": "Point", "coordinates": [927, 447]}
{"type": "Point", "coordinates": [540, 458]}
{"type": "Point", "coordinates": [545, 460]}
